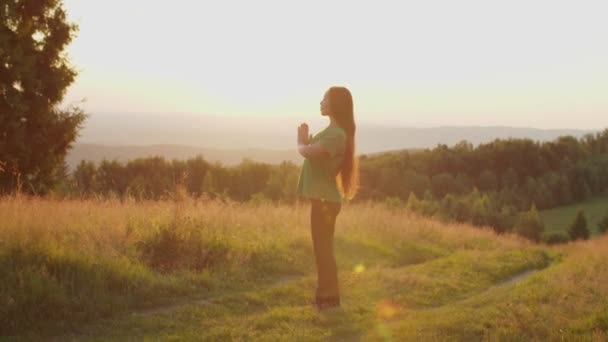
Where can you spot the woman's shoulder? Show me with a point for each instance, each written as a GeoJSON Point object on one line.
{"type": "Point", "coordinates": [336, 129]}
{"type": "Point", "coordinates": [331, 132]}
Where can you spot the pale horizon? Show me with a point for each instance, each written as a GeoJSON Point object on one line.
{"type": "Point", "coordinates": [471, 63]}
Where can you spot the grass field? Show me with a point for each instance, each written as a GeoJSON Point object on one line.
{"type": "Point", "coordinates": [557, 220]}
{"type": "Point", "coordinates": [206, 270]}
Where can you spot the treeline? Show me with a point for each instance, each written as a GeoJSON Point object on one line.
{"type": "Point", "coordinates": [156, 178]}
{"type": "Point", "coordinates": [520, 171]}
{"type": "Point", "coordinates": [500, 184]}
{"type": "Point", "coordinates": [513, 172]}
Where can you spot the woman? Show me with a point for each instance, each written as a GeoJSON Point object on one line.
{"type": "Point", "coordinates": [329, 174]}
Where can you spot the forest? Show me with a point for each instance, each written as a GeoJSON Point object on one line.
{"type": "Point", "coordinates": [501, 184]}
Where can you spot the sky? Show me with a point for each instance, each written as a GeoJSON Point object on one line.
{"type": "Point", "coordinates": [515, 63]}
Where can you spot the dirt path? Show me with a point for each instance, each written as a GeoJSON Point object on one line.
{"type": "Point", "coordinates": [518, 277]}
{"type": "Point", "coordinates": [285, 281]}
{"type": "Point", "coordinates": [169, 309]}
{"type": "Point", "coordinates": [172, 308]}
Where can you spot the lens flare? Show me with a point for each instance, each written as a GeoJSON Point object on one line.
{"type": "Point", "coordinates": [387, 309]}
{"type": "Point", "coordinates": [359, 268]}
{"type": "Point", "coordinates": [384, 332]}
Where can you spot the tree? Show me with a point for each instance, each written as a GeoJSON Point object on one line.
{"type": "Point", "coordinates": [196, 171]}
{"type": "Point", "coordinates": [564, 190]}
{"type": "Point", "coordinates": [481, 211]}
{"type": "Point", "coordinates": [85, 177]}
{"type": "Point", "coordinates": [415, 182]}
{"type": "Point", "coordinates": [578, 228]}
{"type": "Point", "coordinates": [463, 184]}
{"type": "Point", "coordinates": [507, 218]}
{"type": "Point", "coordinates": [602, 226]}
{"type": "Point", "coordinates": [112, 178]}
{"type": "Point", "coordinates": [447, 208]}
{"type": "Point", "coordinates": [388, 180]}
{"type": "Point", "coordinates": [249, 177]}
{"type": "Point", "coordinates": [208, 186]}
{"type": "Point", "coordinates": [443, 184]}
{"type": "Point", "coordinates": [487, 181]}
{"type": "Point", "coordinates": [34, 75]}
{"type": "Point", "coordinates": [413, 204]}
{"type": "Point", "coordinates": [530, 225]}
{"type": "Point", "coordinates": [555, 238]}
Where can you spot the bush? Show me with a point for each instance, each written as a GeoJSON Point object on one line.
{"type": "Point", "coordinates": [49, 283]}
{"type": "Point", "coordinates": [259, 199]}
{"type": "Point", "coordinates": [555, 238]}
{"type": "Point", "coordinates": [602, 226]}
{"type": "Point", "coordinates": [530, 225]}
{"type": "Point", "coordinates": [394, 203]}
{"type": "Point", "coordinates": [578, 228]}
{"type": "Point", "coordinates": [170, 249]}
{"type": "Point", "coordinates": [507, 218]}
{"type": "Point", "coordinates": [413, 204]}
{"type": "Point", "coordinates": [447, 208]}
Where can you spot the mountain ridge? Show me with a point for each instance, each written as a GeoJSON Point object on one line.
{"type": "Point", "coordinates": [230, 140]}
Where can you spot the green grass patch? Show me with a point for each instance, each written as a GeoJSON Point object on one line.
{"type": "Point", "coordinates": [108, 271]}
{"type": "Point", "coordinates": [370, 297]}
{"type": "Point", "coordinates": [558, 220]}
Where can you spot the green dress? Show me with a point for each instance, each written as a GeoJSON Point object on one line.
{"type": "Point", "coordinates": [318, 175]}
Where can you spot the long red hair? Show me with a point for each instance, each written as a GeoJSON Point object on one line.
{"type": "Point", "coordinates": [341, 106]}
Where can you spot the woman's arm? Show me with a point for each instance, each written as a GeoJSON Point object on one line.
{"type": "Point", "coordinates": [306, 149]}
{"type": "Point", "coordinates": [313, 151]}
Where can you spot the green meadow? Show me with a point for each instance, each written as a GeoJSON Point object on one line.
{"type": "Point", "coordinates": [221, 271]}
{"type": "Point", "coordinates": [557, 220]}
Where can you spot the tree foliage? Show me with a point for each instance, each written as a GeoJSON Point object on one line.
{"type": "Point", "coordinates": [578, 228]}
{"type": "Point", "coordinates": [602, 226]}
{"type": "Point", "coordinates": [156, 178]}
{"type": "Point", "coordinates": [483, 186]}
{"type": "Point", "coordinates": [530, 225]}
{"type": "Point", "coordinates": [34, 75]}
{"type": "Point", "coordinates": [556, 238]}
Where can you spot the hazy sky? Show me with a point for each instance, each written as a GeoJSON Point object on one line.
{"type": "Point", "coordinates": [518, 63]}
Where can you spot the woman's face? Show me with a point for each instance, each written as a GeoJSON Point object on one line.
{"type": "Point", "coordinates": [325, 110]}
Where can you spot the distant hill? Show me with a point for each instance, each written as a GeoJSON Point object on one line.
{"type": "Point", "coordinates": [271, 140]}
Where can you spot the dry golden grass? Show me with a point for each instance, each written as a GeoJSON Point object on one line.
{"type": "Point", "coordinates": [111, 226]}
{"type": "Point", "coordinates": [82, 260]}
